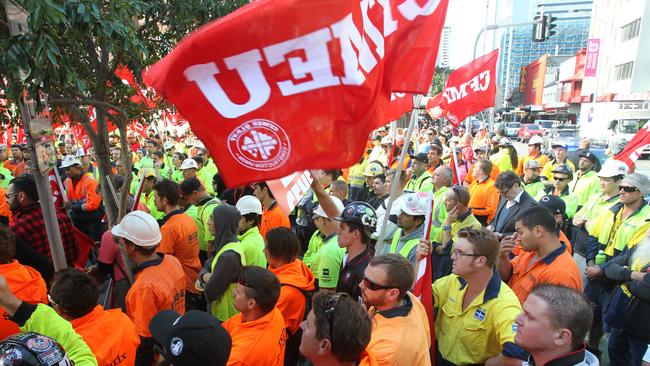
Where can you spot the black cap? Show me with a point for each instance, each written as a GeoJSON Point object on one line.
{"type": "Point", "coordinates": [554, 204]}
{"type": "Point", "coordinates": [423, 157]}
{"type": "Point", "coordinates": [195, 338]}
{"type": "Point", "coordinates": [563, 169]}
{"type": "Point", "coordinates": [589, 155]}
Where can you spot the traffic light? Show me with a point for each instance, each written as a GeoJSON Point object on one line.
{"type": "Point", "coordinates": [548, 26]}
{"type": "Point", "coordinates": [538, 30]}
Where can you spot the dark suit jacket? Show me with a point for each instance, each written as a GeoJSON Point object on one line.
{"type": "Point", "coordinates": [507, 226]}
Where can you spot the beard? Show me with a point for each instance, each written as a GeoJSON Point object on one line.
{"type": "Point", "coordinates": [642, 252]}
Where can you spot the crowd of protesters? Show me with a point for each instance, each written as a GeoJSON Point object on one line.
{"type": "Point", "coordinates": [534, 259]}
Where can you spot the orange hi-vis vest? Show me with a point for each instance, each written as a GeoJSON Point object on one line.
{"type": "Point", "coordinates": [84, 191]}
{"type": "Point", "coordinates": [180, 238]}
{"type": "Point", "coordinates": [159, 285]}
{"type": "Point", "coordinates": [27, 284]}
{"type": "Point", "coordinates": [110, 335]}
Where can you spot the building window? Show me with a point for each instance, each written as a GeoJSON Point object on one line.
{"type": "Point", "coordinates": [623, 71]}
{"type": "Point", "coordinates": [630, 30]}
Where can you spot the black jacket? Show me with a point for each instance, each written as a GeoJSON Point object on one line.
{"type": "Point", "coordinates": [507, 226]}
{"type": "Point", "coordinates": [635, 311]}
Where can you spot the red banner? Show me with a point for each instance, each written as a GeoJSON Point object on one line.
{"type": "Point", "coordinates": [139, 128]}
{"type": "Point", "coordinates": [292, 84]}
{"type": "Point", "coordinates": [468, 90]}
{"type": "Point", "coordinates": [635, 147]}
{"type": "Point", "coordinates": [400, 103]}
{"type": "Point", "coordinates": [289, 190]}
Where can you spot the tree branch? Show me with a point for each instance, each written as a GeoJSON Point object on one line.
{"type": "Point", "coordinates": [84, 101]}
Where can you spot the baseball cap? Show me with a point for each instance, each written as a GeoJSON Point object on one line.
{"type": "Point", "coordinates": [337, 202]}
{"type": "Point", "coordinates": [189, 164]}
{"type": "Point", "coordinates": [168, 145]}
{"type": "Point", "coordinates": [641, 181]}
{"type": "Point", "coordinates": [415, 204]}
{"type": "Point", "coordinates": [563, 169]}
{"type": "Point", "coordinates": [70, 160]}
{"type": "Point", "coordinates": [532, 164]}
{"type": "Point", "coordinates": [591, 156]}
{"type": "Point", "coordinates": [562, 145]}
{"type": "Point", "coordinates": [423, 157]}
{"type": "Point", "coordinates": [194, 338]}
{"type": "Point", "coordinates": [554, 204]}
{"type": "Point", "coordinates": [482, 148]}
{"type": "Point", "coordinates": [612, 168]}
{"type": "Point", "coordinates": [505, 142]}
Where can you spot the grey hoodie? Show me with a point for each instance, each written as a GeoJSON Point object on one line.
{"type": "Point", "coordinates": [226, 270]}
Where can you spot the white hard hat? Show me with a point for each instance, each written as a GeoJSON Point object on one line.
{"type": "Point", "coordinates": [140, 228]}
{"type": "Point", "coordinates": [415, 204]}
{"type": "Point", "coordinates": [199, 144]}
{"type": "Point", "coordinates": [535, 140]}
{"type": "Point", "coordinates": [249, 204]}
{"type": "Point", "coordinates": [168, 145]}
{"type": "Point", "coordinates": [189, 164]}
{"type": "Point", "coordinates": [612, 168]}
{"type": "Point", "coordinates": [70, 160]}
{"type": "Point", "coordinates": [386, 140]}
{"type": "Point", "coordinates": [337, 202]}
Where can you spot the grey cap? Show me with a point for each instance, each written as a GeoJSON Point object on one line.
{"type": "Point", "coordinates": [641, 181]}
{"type": "Point", "coordinates": [532, 164]}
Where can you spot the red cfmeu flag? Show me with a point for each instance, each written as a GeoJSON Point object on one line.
{"type": "Point", "coordinates": [280, 86]}
{"type": "Point", "coordinates": [635, 147]}
{"type": "Point", "coordinates": [400, 103]}
{"type": "Point", "coordinates": [468, 90]}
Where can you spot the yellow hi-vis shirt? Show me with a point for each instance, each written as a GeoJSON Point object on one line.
{"type": "Point", "coordinates": [481, 331]}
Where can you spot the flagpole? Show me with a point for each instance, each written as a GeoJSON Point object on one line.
{"type": "Point", "coordinates": [398, 172]}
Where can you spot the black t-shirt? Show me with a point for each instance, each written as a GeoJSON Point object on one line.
{"type": "Point", "coordinates": [351, 273]}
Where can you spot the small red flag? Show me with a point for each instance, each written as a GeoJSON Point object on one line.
{"type": "Point", "coordinates": [468, 90]}
{"type": "Point", "coordinates": [635, 147]}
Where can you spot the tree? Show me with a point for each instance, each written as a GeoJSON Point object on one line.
{"type": "Point", "coordinates": [439, 79]}
{"type": "Point", "coordinates": [73, 49]}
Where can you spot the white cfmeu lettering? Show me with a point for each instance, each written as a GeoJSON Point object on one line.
{"type": "Point", "coordinates": [478, 83]}
{"type": "Point", "coordinates": [361, 50]}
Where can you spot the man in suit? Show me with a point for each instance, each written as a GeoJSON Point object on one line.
{"type": "Point", "coordinates": [514, 199]}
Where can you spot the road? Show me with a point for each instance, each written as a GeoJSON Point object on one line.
{"type": "Point", "coordinates": [643, 166]}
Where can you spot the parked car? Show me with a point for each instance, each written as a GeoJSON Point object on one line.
{"type": "Point", "coordinates": [547, 124]}
{"type": "Point", "coordinates": [511, 129]}
{"type": "Point", "coordinates": [568, 136]}
{"type": "Point", "coordinates": [529, 130]}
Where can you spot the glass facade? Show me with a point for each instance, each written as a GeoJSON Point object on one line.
{"type": "Point", "coordinates": [571, 35]}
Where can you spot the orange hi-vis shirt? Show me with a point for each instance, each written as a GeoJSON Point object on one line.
{"type": "Point", "coordinates": [401, 336]}
{"type": "Point", "coordinates": [258, 342]}
{"type": "Point", "coordinates": [368, 359]}
{"type": "Point", "coordinates": [273, 217]}
{"type": "Point", "coordinates": [27, 284]}
{"type": "Point", "coordinates": [4, 204]}
{"type": "Point", "coordinates": [469, 177]}
{"type": "Point", "coordinates": [558, 268]}
{"type": "Point", "coordinates": [293, 277]}
{"type": "Point", "coordinates": [483, 198]}
{"type": "Point", "coordinates": [180, 238]}
{"type": "Point", "coordinates": [110, 335]}
{"type": "Point", "coordinates": [159, 285]}
{"type": "Point", "coordinates": [84, 191]}
{"type": "Point", "coordinates": [10, 164]}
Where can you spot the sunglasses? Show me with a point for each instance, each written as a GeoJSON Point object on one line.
{"type": "Point", "coordinates": [374, 286]}
{"type": "Point", "coordinates": [628, 189]}
{"type": "Point", "coordinates": [330, 309]}
{"type": "Point", "coordinates": [560, 179]}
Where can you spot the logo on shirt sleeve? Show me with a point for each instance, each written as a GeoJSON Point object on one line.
{"type": "Point", "coordinates": [514, 327]}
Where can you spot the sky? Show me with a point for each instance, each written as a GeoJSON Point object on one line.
{"type": "Point", "coordinates": [467, 18]}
